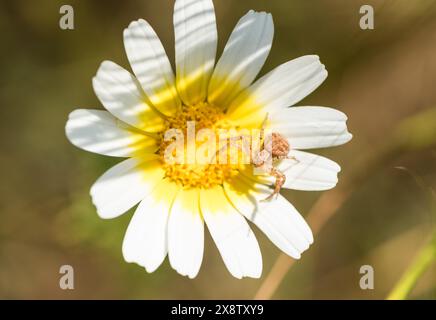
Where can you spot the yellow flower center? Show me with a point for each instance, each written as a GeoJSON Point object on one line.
{"type": "Point", "coordinates": [196, 175]}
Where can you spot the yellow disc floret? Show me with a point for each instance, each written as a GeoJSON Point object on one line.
{"type": "Point", "coordinates": [196, 175]}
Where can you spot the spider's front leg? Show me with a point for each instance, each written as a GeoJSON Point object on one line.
{"type": "Point", "coordinates": [280, 181]}
{"type": "Point", "coordinates": [279, 158]}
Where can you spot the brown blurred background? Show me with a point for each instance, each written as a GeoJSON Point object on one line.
{"type": "Point", "coordinates": [380, 78]}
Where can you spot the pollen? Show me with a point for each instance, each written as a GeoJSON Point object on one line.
{"type": "Point", "coordinates": [205, 116]}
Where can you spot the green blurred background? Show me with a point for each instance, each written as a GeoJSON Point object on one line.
{"type": "Point", "coordinates": [380, 78]}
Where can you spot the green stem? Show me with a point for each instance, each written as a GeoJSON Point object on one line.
{"type": "Point", "coordinates": [407, 282]}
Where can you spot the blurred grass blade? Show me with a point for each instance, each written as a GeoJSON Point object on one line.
{"type": "Point", "coordinates": [422, 262]}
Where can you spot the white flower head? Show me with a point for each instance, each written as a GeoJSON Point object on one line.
{"type": "Point", "coordinates": [176, 199]}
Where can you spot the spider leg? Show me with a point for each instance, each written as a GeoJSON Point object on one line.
{"type": "Point", "coordinates": [265, 121]}
{"type": "Point", "coordinates": [263, 127]}
{"type": "Point", "coordinates": [286, 158]}
{"type": "Point", "coordinates": [280, 181]}
{"type": "Point", "coordinates": [232, 143]}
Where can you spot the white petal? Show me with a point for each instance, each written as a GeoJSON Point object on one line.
{"type": "Point", "coordinates": [311, 127]}
{"type": "Point", "coordinates": [232, 234]}
{"type": "Point", "coordinates": [278, 219]}
{"type": "Point", "coordinates": [186, 234]}
{"type": "Point", "coordinates": [145, 242]}
{"type": "Point", "coordinates": [151, 66]}
{"type": "Point", "coordinates": [309, 172]}
{"type": "Point", "coordinates": [100, 132]}
{"type": "Point", "coordinates": [196, 43]}
{"type": "Point", "coordinates": [282, 87]}
{"type": "Point", "coordinates": [243, 57]}
{"type": "Point", "coordinates": [121, 94]}
{"type": "Point", "coordinates": [124, 185]}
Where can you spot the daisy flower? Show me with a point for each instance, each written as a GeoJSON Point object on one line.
{"type": "Point", "coordinates": [176, 200]}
